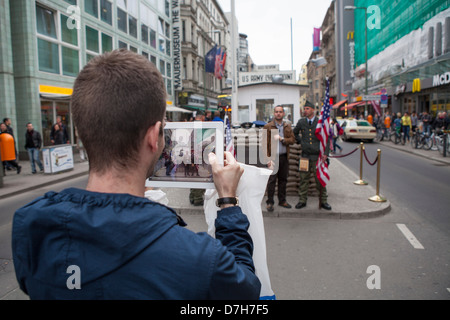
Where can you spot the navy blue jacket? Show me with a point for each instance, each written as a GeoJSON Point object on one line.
{"type": "Point", "coordinates": [128, 247]}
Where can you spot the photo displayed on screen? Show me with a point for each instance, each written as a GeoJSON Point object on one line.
{"type": "Point", "coordinates": [185, 155]}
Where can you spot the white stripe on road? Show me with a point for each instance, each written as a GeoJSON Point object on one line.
{"type": "Point", "coordinates": [414, 242]}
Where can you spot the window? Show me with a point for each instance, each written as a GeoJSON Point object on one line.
{"type": "Point", "coordinates": [45, 20]}
{"type": "Point", "coordinates": [162, 67]}
{"type": "Point", "coordinates": [126, 13]}
{"type": "Point", "coordinates": [58, 52]}
{"type": "Point", "coordinates": [74, 2]}
{"type": "Point", "coordinates": [132, 26]}
{"type": "Point", "coordinates": [70, 62]}
{"type": "Point", "coordinates": [144, 33]}
{"type": "Point", "coordinates": [92, 43]}
{"type": "Point", "coordinates": [122, 20]}
{"type": "Point", "coordinates": [91, 7]}
{"type": "Point", "coordinates": [123, 45]}
{"type": "Point", "coordinates": [68, 35]}
{"type": "Point", "coordinates": [153, 38]}
{"type": "Point", "coordinates": [48, 56]}
{"type": "Point", "coordinates": [107, 43]}
{"type": "Point", "coordinates": [106, 11]}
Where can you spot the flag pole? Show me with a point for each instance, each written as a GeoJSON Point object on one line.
{"type": "Point", "coordinates": [234, 88]}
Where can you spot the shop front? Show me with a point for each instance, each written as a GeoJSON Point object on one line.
{"type": "Point", "coordinates": [55, 102]}
{"type": "Point", "coordinates": [430, 95]}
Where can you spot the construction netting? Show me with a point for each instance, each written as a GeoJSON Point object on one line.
{"type": "Point", "coordinates": [389, 21]}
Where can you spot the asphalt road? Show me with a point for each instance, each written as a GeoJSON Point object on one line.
{"type": "Point", "coordinates": [410, 182]}
{"type": "Point", "coordinates": [332, 259]}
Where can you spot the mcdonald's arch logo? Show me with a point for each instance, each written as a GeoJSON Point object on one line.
{"type": "Point", "coordinates": [416, 85]}
{"type": "Point", "coordinates": [350, 35]}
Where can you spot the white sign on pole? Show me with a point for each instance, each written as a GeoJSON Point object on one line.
{"type": "Point", "coordinates": [371, 97]}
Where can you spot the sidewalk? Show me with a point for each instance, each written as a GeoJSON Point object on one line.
{"type": "Point", "coordinates": [348, 201]}
{"type": "Point", "coordinates": [14, 183]}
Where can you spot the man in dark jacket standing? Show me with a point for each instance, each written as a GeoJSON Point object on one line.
{"type": "Point", "coordinates": [305, 134]}
{"type": "Point", "coordinates": [278, 132]}
{"type": "Point", "coordinates": [109, 241]}
{"type": "Point", "coordinates": [33, 142]}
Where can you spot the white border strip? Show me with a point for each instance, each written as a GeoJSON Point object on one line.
{"type": "Point", "coordinates": [411, 238]}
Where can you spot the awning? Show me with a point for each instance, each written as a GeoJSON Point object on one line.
{"type": "Point", "coordinates": [354, 104]}
{"type": "Point", "coordinates": [340, 103]}
{"type": "Point", "coordinates": [177, 109]}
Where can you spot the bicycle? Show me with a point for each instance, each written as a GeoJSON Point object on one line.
{"type": "Point", "coordinates": [442, 141]}
{"type": "Point", "coordinates": [415, 140]}
{"type": "Point", "coordinates": [395, 136]}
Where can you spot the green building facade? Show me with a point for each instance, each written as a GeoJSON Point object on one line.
{"type": "Point", "coordinates": [45, 44]}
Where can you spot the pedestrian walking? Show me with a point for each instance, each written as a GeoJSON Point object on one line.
{"type": "Point", "coordinates": [305, 134]}
{"type": "Point", "coordinates": [336, 132]}
{"type": "Point", "coordinates": [11, 152]}
{"type": "Point", "coordinates": [279, 132]}
{"type": "Point", "coordinates": [109, 241]}
{"type": "Point", "coordinates": [33, 142]}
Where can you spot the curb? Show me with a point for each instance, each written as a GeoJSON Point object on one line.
{"type": "Point", "coordinates": [305, 213]}
{"type": "Point", "coordinates": [44, 184]}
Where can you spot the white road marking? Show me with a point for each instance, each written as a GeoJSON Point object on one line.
{"type": "Point", "coordinates": [411, 238]}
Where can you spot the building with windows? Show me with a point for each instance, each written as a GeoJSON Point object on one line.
{"type": "Point", "coordinates": [45, 44]}
{"type": "Point", "coordinates": [203, 26]}
{"type": "Point", "coordinates": [408, 51]}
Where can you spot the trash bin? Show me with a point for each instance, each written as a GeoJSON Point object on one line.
{"type": "Point", "coordinates": [7, 151]}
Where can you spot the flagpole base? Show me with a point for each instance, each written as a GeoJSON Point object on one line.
{"type": "Point", "coordinates": [361, 182]}
{"type": "Point", "coordinates": [378, 198]}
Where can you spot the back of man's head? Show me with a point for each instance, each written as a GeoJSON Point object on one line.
{"type": "Point", "coordinates": [117, 97]}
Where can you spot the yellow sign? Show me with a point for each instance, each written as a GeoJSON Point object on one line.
{"type": "Point", "coordinates": [350, 35]}
{"type": "Point", "coordinates": [416, 85]}
{"type": "Point", "coordinates": [55, 90]}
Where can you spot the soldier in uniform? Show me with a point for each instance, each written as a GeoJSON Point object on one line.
{"type": "Point", "coordinates": [305, 135]}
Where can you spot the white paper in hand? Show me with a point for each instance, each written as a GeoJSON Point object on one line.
{"type": "Point", "coordinates": [250, 191]}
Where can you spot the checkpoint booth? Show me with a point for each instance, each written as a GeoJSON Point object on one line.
{"type": "Point", "coordinates": [57, 158]}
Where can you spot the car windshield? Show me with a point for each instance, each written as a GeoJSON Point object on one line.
{"type": "Point", "coordinates": [362, 123]}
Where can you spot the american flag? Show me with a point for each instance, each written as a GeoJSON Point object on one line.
{"type": "Point", "coordinates": [229, 144]}
{"type": "Point", "coordinates": [322, 133]}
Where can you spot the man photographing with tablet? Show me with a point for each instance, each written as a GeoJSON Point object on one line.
{"type": "Point", "coordinates": [109, 241]}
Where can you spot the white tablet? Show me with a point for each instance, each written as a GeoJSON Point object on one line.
{"type": "Point", "coordinates": [184, 161]}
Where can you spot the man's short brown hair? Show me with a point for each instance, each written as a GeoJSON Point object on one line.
{"type": "Point", "coordinates": [117, 97]}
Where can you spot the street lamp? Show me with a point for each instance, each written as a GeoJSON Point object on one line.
{"type": "Point", "coordinates": [352, 8]}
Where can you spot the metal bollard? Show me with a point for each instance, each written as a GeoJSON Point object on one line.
{"type": "Point", "coordinates": [361, 182]}
{"type": "Point", "coordinates": [377, 197]}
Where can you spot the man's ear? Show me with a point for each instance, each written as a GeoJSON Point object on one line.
{"type": "Point", "coordinates": [152, 136]}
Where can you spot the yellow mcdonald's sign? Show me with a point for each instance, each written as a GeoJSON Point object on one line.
{"type": "Point", "coordinates": [350, 35]}
{"type": "Point", "coordinates": [55, 90]}
{"type": "Point", "coordinates": [416, 85]}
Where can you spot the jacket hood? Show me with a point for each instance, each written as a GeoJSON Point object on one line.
{"type": "Point", "coordinates": [98, 232]}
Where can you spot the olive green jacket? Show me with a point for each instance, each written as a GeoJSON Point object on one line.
{"type": "Point", "coordinates": [305, 135]}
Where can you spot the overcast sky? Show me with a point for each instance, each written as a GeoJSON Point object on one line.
{"type": "Point", "coordinates": [268, 27]}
